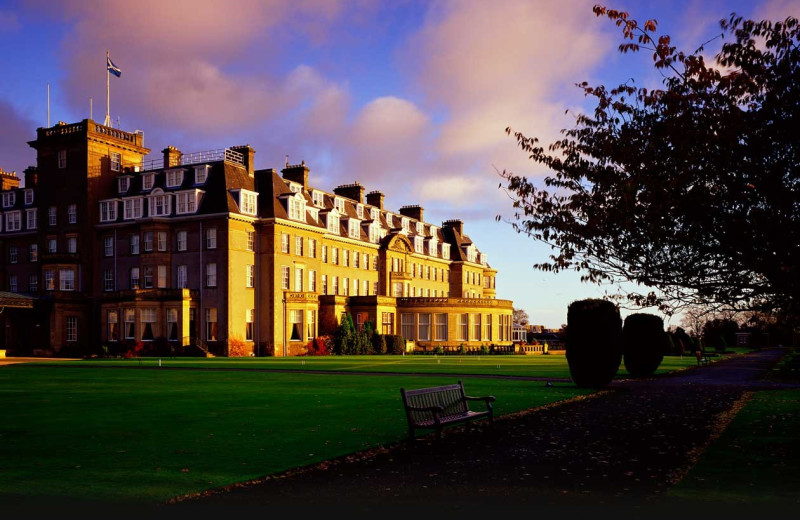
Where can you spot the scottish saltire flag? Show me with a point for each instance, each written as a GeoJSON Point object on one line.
{"type": "Point", "coordinates": [113, 68]}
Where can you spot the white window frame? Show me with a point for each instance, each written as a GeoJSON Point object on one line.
{"type": "Point", "coordinates": [31, 218]}
{"type": "Point", "coordinates": [182, 240]}
{"type": "Point", "coordinates": [72, 214]}
{"type": "Point", "coordinates": [123, 184]}
{"type": "Point", "coordinates": [319, 198]}
{"type": "Point", "coordinates": [182, 277]}
{"type": "Point", "coordinates": [173, 178]}
{"type": "Point", "coordinates": [250, 275]}
{"type": "Point", "coordinates": [332, 222]}
{"type": "Point", "coordinates": [354, 228]}
{"type": "Point", "coordinates": [9, 198]}
{"type": "Point", "coordinates": [28, 197]}
{"type": "Point", "coordinates": [14, 220]}
{"type": "Point", "coordinates": [66, 280]}
{"type": "Point", "coordinates": [296, 207]}
{"type": "Point", "coordinates": [201, 173]}
{"type": "Point", "coordinates": [108, 210]}
{"type": "Point", "coordinates": [133, 208]}
{"type": "Point", "coordinates": [116, 161]}
{"type": "Point", "coordinates": [211, 274]}
{"type": "Point", "coordinates": [211, 238]}
{"type": "Point", "coordinates": [148, 181]}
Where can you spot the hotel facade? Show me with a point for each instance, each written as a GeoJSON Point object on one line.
{"type": "Point", "coordinates": [101, 246]}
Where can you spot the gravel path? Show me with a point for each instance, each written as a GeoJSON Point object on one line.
{"type": "Point", "coordinates": [624, 447]}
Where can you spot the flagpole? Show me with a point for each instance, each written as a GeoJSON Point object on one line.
{"type": "Point", "coordinates": [48, 105]}
{"type": "Point", "coordinates": [107, 121]}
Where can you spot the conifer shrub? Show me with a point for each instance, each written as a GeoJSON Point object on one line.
{"type": "Point", "coordinates": [644, 343]}
{"type": "Point", "coordinates": [378, 343]}
{"type": "Point", "coordinates": [395, 344]}
{"type": "Point", "coordinates": [593, 342]}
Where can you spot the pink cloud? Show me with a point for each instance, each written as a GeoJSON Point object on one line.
{"type": "Point", "coordinates": [15, 155]}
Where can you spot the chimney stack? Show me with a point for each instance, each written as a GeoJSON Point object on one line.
{"type": "Point", "coordinates": [375, 198]}
{"type": "Point", "coordinates": [414, 212]}
{"type": "Point", "coordinates": [297, 173]}
{"type": "Point", "coordinates": [8, 180]}
{"type": "Point", "coordinates": [455, 224]}
{"type": "Point", "coordinates": [353, 191]}
{"type": "Point", "coordinates": [172, 156]}
{"type": "Point", "coordinates": [249, 157]}
{"type": "Point", "coordinates": [31, 177]}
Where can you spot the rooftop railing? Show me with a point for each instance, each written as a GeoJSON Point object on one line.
{"type": "Point", "coordinates": [222, 154]}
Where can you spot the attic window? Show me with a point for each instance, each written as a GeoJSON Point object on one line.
{"type": "Point", "coordinates": [247, 202]}
{"type": "Point", "coordinates": [432, 247]}
{"type": "Point", "coordinates": [374, 213]}
{"type": "Point", "coordinates": [374, 232]}
{"type": "Point", "coordinates": [174, 178]}
{"type": "Point", "coordinates": [9, 198]}
{"type": "Point", "coordinates": [294, 187]}
{"type": "Point", "coordinates": [406, 225]}
{"type": "Point", "coordinates": [123, 184]}
{"type": "Point", "coordinates": [297, 207]}
{"type": "Point", "coordinates": [418, 245]}
{"type": "Point", "coordinates": [420, 228]}
{"type": "Point", "coordinates": [28, 197]}
{"type": "Point", "coordinates": [200, 174]}
{"type": "Point", "coordinates": [339, 204]}
{"type": "Point", "coordinates": [360, 211]}
{"type": "Point", "coordinates": [353, 228]}
{"type": "Point", "coordinates": [319, 198]}
{"type": "Point", "coordinates": [147, 181]}
{"type": "Point", "coordinates": [446, 251]}
{"type": "Point", "coordinates": [333, 222]}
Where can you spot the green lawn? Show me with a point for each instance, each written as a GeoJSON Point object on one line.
{"type": "Point", "coordinates": [756, 459]}
{"type": "Point", "coordinates": [550, 366]}
{"type": "Point", "coordinates": [150, 435]}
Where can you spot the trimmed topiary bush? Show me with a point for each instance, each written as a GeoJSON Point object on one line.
{"type": "Point", "coordinates": [593, 342]}
{"type": "Point", "coordinates": [644, 343]}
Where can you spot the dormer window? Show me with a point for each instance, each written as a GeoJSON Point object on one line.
{"type": "Point", "coordinates": [374, 213]}
{"type": "Point", "coordinates": [482, 258]}
{"type": "Point", "coordinates": [28, 197]}
{"type": "Point", "coordinates": [420, 228]}
{"type": "Point", "coordinates": [9, 198]}
{"type": "Point", "coordinates": [313, 212]}
{"type": "Point", "coordinates": [116, 161]}
{"type": "Point", "coordinates": [360, 211]}
{"type": "Point", "coordinates": [201, 173]}
{"type": "Point", "coordinates": [160, 204]}
{"type": "Point", "coordinates": [446, 251]}
{"type": "Point", "coordinates": [374, 232]}
{"type": "Point", "coordinates": [338, 203]}
{"type": "Point", "coordinates": [418, 245]}
{"type": "Point", "coordinates": [174, 178]}
{"type": "Point", "coordinates": [187, 201]}
{"type": "Point", "coordinates": [297, 207]}
{"type": "Point", "coordinates": [123, 184]}
{"type": "Point", "coordinates": [406, 225]}
{"type": "Point", "coordinates": [13, 221]}
{"type": "Point", "coordinates": [147, 181]}
{"type": "Point", "coordinates": [132, 208]}
{"type": "Point", "coordinates": [319, 198]}
{"type": "Point", "coordinates": [433, 248]}
{"type": "Point", "coordinates": [294, 187]}
{"type": "Point", "coordinates": [353, 228]}
{"type": "Point", "coordinates": [332, 222]}
{"type": "Point", "coordinates": [248, 202]}
{"type": "Point", "coordinates": [389, 220]}
{"type": "Point", "coordinates": [108, 210]}
{"type": "Point", "coordinates": [471, 253]}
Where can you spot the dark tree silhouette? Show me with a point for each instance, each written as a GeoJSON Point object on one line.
{"type": "Point", "coordinates": [691, 189]}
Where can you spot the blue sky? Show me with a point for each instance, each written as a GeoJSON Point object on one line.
{"type": "Point", "coordinates": [407, 97]}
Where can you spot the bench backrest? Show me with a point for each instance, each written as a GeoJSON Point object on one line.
{"type": "Point", "coordinates": [449, 397]}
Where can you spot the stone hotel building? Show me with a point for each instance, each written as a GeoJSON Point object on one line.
{"type": "Point", "coordinates": [102, 246]}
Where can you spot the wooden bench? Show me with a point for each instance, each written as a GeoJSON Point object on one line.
{"type": "Point", "coordinates": [436, 407]}
{"type": "Point", "coordinates": [701, 359]}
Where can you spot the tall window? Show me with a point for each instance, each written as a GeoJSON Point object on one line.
{"type": "Point", "coordinates": [172, 324]}
{"type": "Point", "coordinates": [162, 240]}
{"type": "Point", "coordinates": [285, 277]}
{"type": "Point", "coordinates": [487, 327]}
{"type": "Point", "coordinates": [250, 275]}
{"type": "Point", "coordinates": [324, 284]}
{"type": "Point", "coordinates": [424, 327]}
{"type": "Point", "coordinates": [346, 285]}
{"type": "Point", "coordinates": [33, 283]}
{"type": "Point", "coordinates": [72, 329]}
{"type": "Point", "coordinates": [66, 280]}
{"type": "Point", "coordinates": [148, 277]}
{"type": "Point", "coordinates": [12, 283]}
{"type": "Point", "coordinates": [116, 160]}
{"type": "Point", "coordinates": [32, 218]}
{"type": "Point", "coordinates": [113, 326]}
{"type": "Point", "coordinates": [407, 325]}
{"type": "Point", "coordinates": [62, 159]}
{"type": "Point", "coordinates": [476, 327]}
{"type": "Point", "coordinates": [200, 174]}
{"type": "Point", "coordinates": [174, 178]}
{"type": "Point", "coordinates": [346, 257]}
{"type": "Point", "coordinates": [134, 278]}
{"type": "Point", "coordinates": [52, 245]}
{"type": "Point", "coordinates": [52, 216]}
{"type": "Point", "coordinates": [324, 254]}
{"type": "Point", "coordinates": [13, 254]}
{"type": "Point", "coordinates": [311, 325]}
{"type": "Point", "coordinates": [299, 273]}
{"type": "Point", "coordinates": [251, 240]}
{"type": "Point", "coordinates": [463, 327]}
{"type": "Point", "coordinates": [336, 285]}
{"type": "Point", "coordinates": [365, 287]}
{"type": "Point", "coordinates": [161, 282]}
{"type": "Point", "coordinates": [211, 238]}
{"type": "Point", "coordinates": [72, 213]}
{"type": "Point", "coordinates": [296, 322]}
{"type": "Point", "coordinates": [148, 240]}
{"type": "Point", "coordinates": [211, 324]}
{"type": "Point", "coordinates": [249, 318]}
{"type": "Point", "coordinates": [211, 274]}
{"type": "Point", "coordinates": [387, 323]}
{"type": "Point", "coordinates": [356, 258]}
{"type": "Point", "coordinates": [130, 323]}
{"type": "Point", "coordinates": [134, 244]}
{"type": "Point", "coordinates": [312, 281]}
{"type": "Point", "coordinates": [148, 319]}
{"type": "Point", "coordinates": [312, 248]}
{"type": "Point", "coordinates": [440, 327]}
{"type": "Point", "coordinates": [49, 280]}
{"type": "Point", "coordinates": [181, 240]}
{"type": "Point", "coordinates": [33, 253]}
{"type": "Point", "coordinates": [108, 280]}
{"type": "Point", "coordinates": [183, 280]}
{"type": "Point", "coordinates": [72, 244]}
{"type": "Point", "coordinates": [284, 242]}
{"type": "Point", "coordinates": [108, 246]}
{"type": "Point", "coordinates": [298, 245]}
{"type": "Point", "coordinates": [147, 181]}
{"type": "Point", "coordinates": [335, 256]}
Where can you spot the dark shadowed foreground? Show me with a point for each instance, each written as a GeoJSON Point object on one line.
{"type": "Point", "coordinates": [620, 449]}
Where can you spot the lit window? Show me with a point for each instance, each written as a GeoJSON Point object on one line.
{"type": "Point", "coordinates": [113, 326]}
{"type": "Point", "coordinates": [161, 281]}
{"type": "Point", "coordinates": [296, 320]}
{"type": "Point", "coordinates": [33, 252]}
{"type": "Point", "coordinates": [247, 202]}
{"type": "Point", "coordinates": [297, 208]}
{"type": "Point", "coordinates": [49, 280]}
{"type": "Point", "coordinates": [130, 323]}
{"type": "Point", "coordinates": [312, 325]}
{"type": "Point", "coordinates": [174, 178]}
{"type": "Point", "coordinates": [116, 161]}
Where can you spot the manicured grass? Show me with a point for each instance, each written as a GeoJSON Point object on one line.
{"type": "Point", "coordinates": [755, 460]}
{"type": "Point", "coordinates": [148, 435]}
{"type": "Point", "coordinates": [550, 366]}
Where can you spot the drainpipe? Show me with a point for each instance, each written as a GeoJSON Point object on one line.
{"type": "Point", "coordinates": [284, 325]}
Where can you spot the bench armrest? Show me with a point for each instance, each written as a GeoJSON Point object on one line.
{"type": "Point", "coordinates": [435, 409]}
{"type": "Point", "coordinates": [487, 398]}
